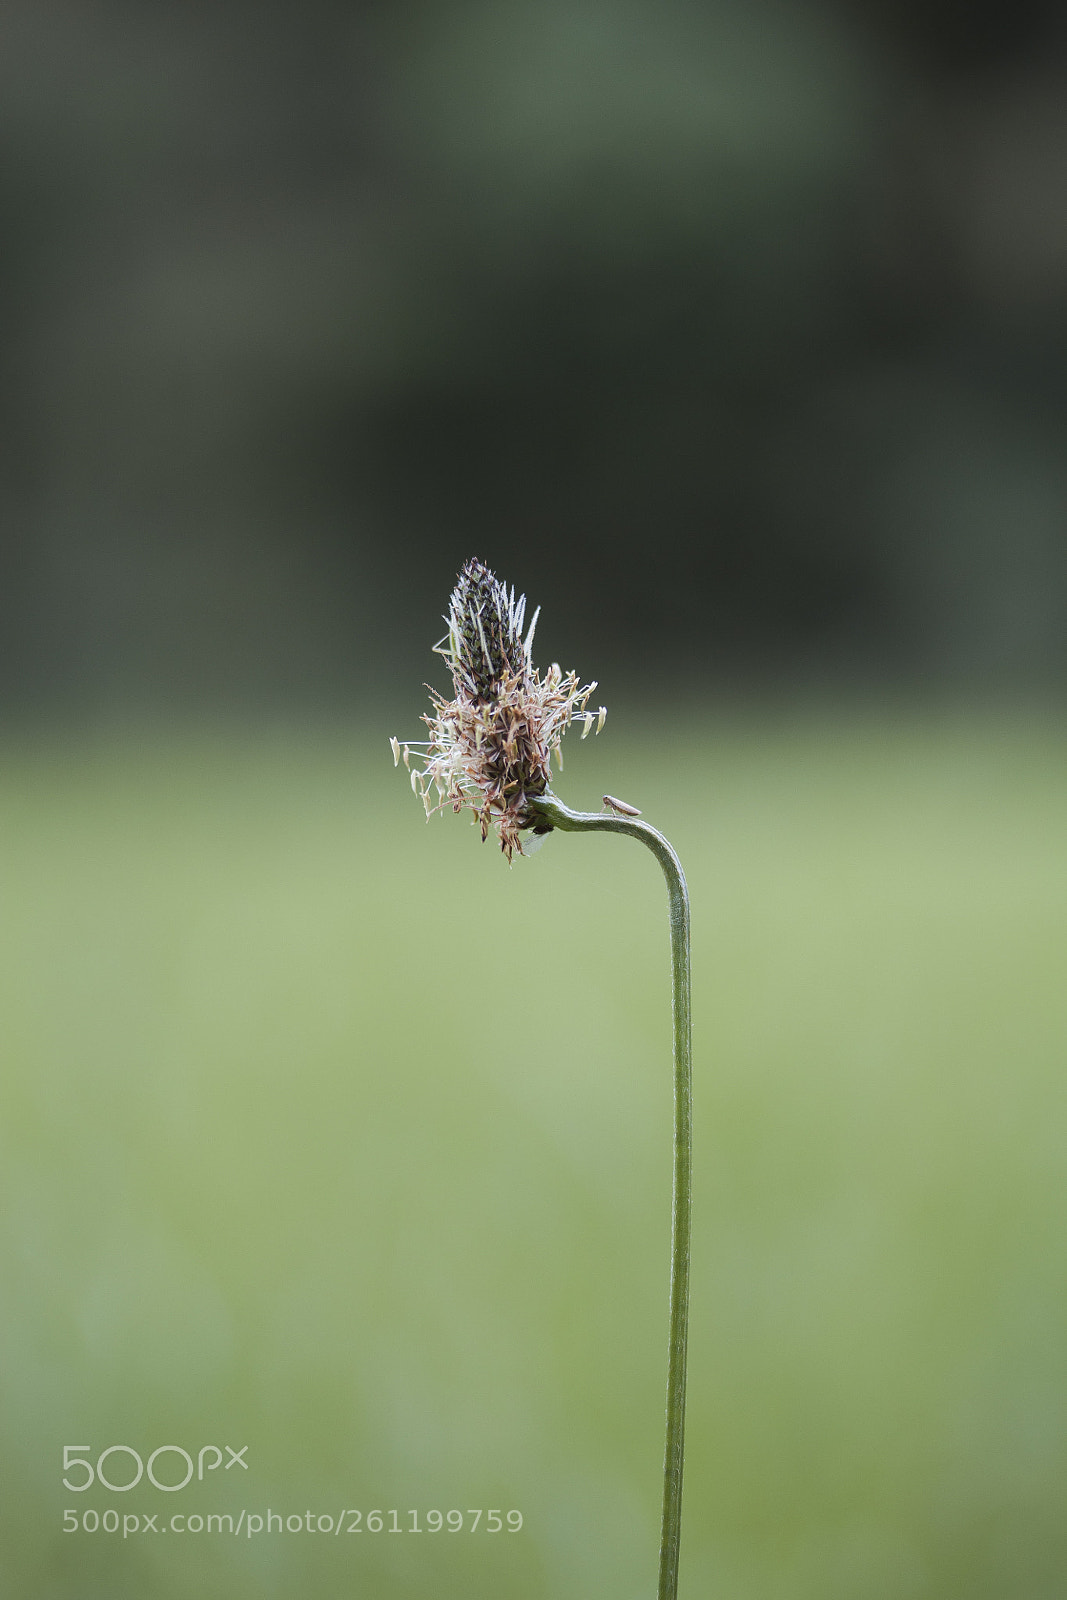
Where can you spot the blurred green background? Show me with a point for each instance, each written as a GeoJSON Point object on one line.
{"type": "Point", "coordinates": [736, 336]}
{"type": "Point", "coordinates": [327, 1134]}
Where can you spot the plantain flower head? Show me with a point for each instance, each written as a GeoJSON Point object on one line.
{"type": "Point", "coordinates": [490, 747]}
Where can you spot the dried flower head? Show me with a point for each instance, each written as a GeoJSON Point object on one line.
{"type": "Point", "coordinates": [490, 747]}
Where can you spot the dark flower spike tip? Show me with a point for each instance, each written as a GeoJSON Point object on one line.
{"type": "Point", "coordinates": [485, 643]}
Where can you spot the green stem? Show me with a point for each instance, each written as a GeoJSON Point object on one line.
{"type": "Point", "coordinates": [553, 811]}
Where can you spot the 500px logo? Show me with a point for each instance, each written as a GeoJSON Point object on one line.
{"type": "Point", "coordinates": [77, 1455]}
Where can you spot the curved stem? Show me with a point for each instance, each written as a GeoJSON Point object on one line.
{"type": "Point", "coordinates": [550, 810]}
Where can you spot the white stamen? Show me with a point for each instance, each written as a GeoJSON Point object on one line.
{"type": "Point", "coordinates": [395, 748]}
{"type": "Point", "coordinates": [601, 714]}
{"type": "Point", "coordinates": [481, 635]}
{"type": "Point", "coordinates": [528, 645]}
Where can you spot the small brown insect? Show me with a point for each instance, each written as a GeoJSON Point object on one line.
{"type": "Point", "coordinates": [620, 806]}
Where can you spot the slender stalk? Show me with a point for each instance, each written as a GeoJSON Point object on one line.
{"type": "Point", "coordinates": [560, 816]}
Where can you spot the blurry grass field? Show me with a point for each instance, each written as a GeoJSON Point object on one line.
{"type": "Point", "coordinates": [326, 1134]}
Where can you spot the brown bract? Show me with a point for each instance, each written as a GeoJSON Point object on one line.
{"type": "Point", "coordinates": [494, 755]}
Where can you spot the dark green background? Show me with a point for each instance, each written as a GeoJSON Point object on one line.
{"type": "Point", "coordinates": [736, 330]}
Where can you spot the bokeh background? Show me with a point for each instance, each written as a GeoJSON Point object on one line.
{"type": "Point", "coordinates": [736, 336]}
